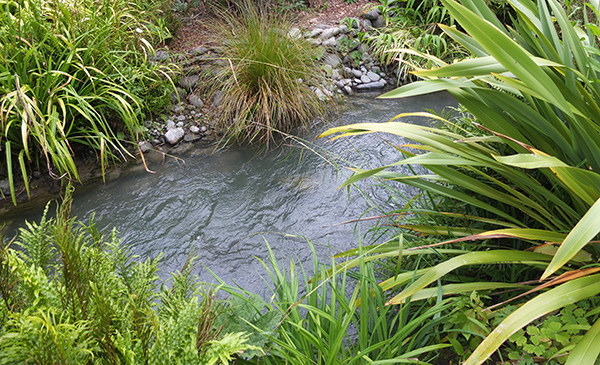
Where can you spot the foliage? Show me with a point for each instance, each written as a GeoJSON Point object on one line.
{"type": "Point", "coordinates": [412, 33]}
{"type": "Point", "coordinates": [267, 77]}
{"type": "Point", "coordinates": [74, 73]}
{"type": "Point", "coordinates": [327, 322]}
{"type": "Point", "coordinates": [72, 295]}
{"type": "Point", "coordinates": [527, 178]}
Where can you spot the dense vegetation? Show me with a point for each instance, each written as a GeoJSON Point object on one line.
{"type": "Point", "coordinates": [496, 258]}
{"type": "Point", "coordinates": [75, 74]}
{"type": "Point", "coordinates": [269, 79]}
{"type": "Point", "coordinates": [523, 174]}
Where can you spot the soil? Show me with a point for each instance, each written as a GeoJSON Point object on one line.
{"type": "Point", "coordinates": [196, 24]}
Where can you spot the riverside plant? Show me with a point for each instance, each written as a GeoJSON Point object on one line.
{"type": "Point", "coordinates": [74, 73]}
{"type": "Point", "coordinates": [340, 317]}
{"type": "Point", "coordinates": [529, 171]}
{"type": "Point", "coordinates": [72, 295]}
{"type": "Point", "coordinates": [267, 77]}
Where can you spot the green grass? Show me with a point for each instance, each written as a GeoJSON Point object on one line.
{"type": "Point", "coordinates": [74, 73]}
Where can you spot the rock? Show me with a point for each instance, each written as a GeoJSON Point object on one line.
{"type": "Point", "coordinates": [371, 85]}
{"type": "Point", "coordinates": [188, 82]}
{"type": "Point", "coordinates": [320, 94]}
{"type": "Point", "coordinates": [340, 84]}
{"type": "Point", "coordinates": [194, 129]}
{"type": "Point", "coordinates": [315, 32]}
{"type": "Point", "coordinates": [379, 22]}
{"type": "Point", "coordinates": [335, 74]}
{"type": "Point", "coordinates": [370, 15]}
{"type": "Point", "coordinates": [357, 81]}
{"type": "Point", "coordinates": [4, 185]}
{"type": "Point", "coordinates": [315, 41]}
{"type": "Point", "coordinates": [217, 50]}
{"type": "Point", "coordinates": [330, 42]}
{"type": "Point", "coordinates": [295, 33]}
{"type": "Point", "coordinates": [356, 73]}
{"type": "Point", "coordinates": [365, 79]}
{"type": "Point", "coordinates": [170, 124]}
{"type": "Point", "coordinates": [373, 76]}
{"type": "Point", "coordinates": [155, 142]}
{"type": "Point", "coordinates": [328, 70]}
{"type": "Point", "coordinates": [159, 56]}
{"type": "Point", "coordinates": [217, 99]}
{"type": "Point", "coordinates": [179, 124]}
{"type": "Point", "coordinates": [348, 90]}
{"type": "Point", "coordinates": [195, 100]}
{"type": "Point", "coordinates": [331, 32]}
{"type": "Point", "coordinates": [321, 26]}
{"type": "Point", "coordinates": [174, 135]}
{"type": "Point", "coordinates": [189, 138]}
{"type": "Point", "coordinates": [376, 69]}
{"type": "Point", "coordinates": [347, 71]}
{"type": "Point", "coordinates": [199, 50]}
{"type": "Point", "coordinates": [144, 146]}
{"type": "Point", "coordinates": [178, 94]}
{"type": "Point", "coordinates": [180, 118]}
{"type": "Point", "coordinates": [343, 29]}
{"type": "Point", "coordinates": [203, 128]}
{"type": "Point", "coordinates": [332, 60]}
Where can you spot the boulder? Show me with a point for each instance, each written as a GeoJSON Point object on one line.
{"type": "Point", "coordinates": [195, 100]}
{"type": "Point", "coordinates": [330, 32]}
{"type": "Point", "coordinates": [332, 60]}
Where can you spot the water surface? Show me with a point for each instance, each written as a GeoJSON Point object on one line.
{"type": "Point", "coordinates": [225, 205]}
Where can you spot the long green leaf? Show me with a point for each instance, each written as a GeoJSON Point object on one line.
{"type": "Point", "coordinates": [587, 228]}
{"type": "Point", "coordinates": [542, 304]}
{"type": "Point", "coordinates": [587, 350]}
{"type": "Point", "coordinates": [473, 258]}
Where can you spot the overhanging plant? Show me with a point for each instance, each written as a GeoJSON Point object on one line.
{"type": "Point", "coordinates": [532, 170]}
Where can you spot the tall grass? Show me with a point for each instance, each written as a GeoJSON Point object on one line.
{"type": "Point", "coordinates": [527, 170]}
{"type": "Point", "coordinates": [267, 78]}
{"type": "Point", "coordinates": [73, 73]}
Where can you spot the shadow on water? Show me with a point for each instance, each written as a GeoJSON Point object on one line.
{"type": "Point", "coordinates": [226, 204]}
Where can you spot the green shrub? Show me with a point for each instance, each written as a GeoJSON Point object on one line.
{"type": "Point", "coordinates": [267, 76]}
{"type": "Point", "coordinates": [73, 73]}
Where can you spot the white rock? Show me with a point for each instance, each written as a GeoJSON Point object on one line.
{"type": "Point", "coordinates": [174, 135]}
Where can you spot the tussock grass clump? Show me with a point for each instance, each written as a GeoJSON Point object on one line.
{"type": "Point", "coordinates": [268, 76]}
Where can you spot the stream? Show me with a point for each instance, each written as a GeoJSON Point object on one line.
{"type": "Point", "coordinates": [224, 206]}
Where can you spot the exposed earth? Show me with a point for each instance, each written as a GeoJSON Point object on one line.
{"type": "Point", "coordinates": [195, 27]}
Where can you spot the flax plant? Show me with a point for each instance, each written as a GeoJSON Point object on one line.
{"type": "Point", "coordinates": [529, 173]}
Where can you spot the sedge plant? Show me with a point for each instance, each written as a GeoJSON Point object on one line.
{"type": "Point", "coordinates": [268, 76]}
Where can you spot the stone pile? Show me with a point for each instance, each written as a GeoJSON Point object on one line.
{"type": "Point", "coordinates": [345, 61]}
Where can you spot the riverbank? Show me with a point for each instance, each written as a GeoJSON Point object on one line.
{"type": "Point", "coordinates": [189, 122]}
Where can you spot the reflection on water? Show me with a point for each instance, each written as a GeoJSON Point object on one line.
{"type": "Point", "coordinates": [223, 206]}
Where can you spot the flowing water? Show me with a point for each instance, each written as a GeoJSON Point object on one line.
{"type": "Point", "coordinates": [225, 205]}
